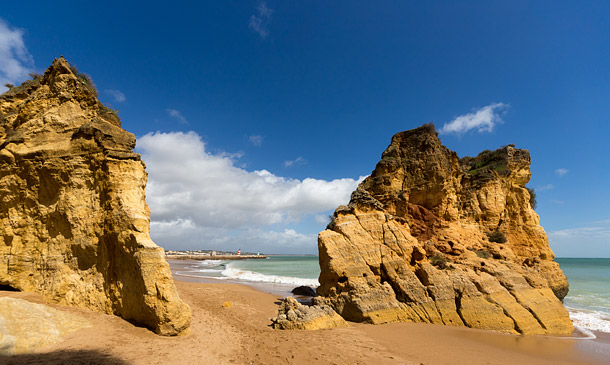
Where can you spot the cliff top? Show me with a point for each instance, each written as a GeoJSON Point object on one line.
{"type": "Point", "coordinates": [420, 179]}
{"type": "Point", "coordinates": [422, 143]}
{"type": "Point", "coordinates": [58, 113]}
{"type": "Point", "coordinates": [61, 81]}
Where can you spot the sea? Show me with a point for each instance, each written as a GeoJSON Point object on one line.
{"type": "Point", "coordinates": [276, 274]}
{"type": "Point", "coordinates": [588, 300]}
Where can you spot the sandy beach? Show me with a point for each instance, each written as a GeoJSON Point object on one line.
{"type": "Point", "coordinates": [240, 334]}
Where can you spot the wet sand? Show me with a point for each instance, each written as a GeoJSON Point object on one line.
{"type": "Point", "coordinates": [241, 335]}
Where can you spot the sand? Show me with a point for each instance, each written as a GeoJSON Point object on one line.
{"type": "Point", "coordinates": [241, 335]}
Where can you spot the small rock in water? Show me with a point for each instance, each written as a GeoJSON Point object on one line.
{"type": "Point", "coordinates": [304, 290]}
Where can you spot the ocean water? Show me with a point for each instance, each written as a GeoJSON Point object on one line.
{"type": "Point", "coordinates": [588, 300]}
{"type": "Point", "coordinates": [290, 271]}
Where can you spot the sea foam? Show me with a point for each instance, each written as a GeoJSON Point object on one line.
{"type": "Point", "coordinates": [592, 320]}
{"type": "Point", "coordinates": [241, 274]}
{"type": "Point", "coordinates": [209, 263]}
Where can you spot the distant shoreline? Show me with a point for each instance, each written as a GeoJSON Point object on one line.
{"type": "Point", "coordinates": [213, 257]}
{"type": "Point", "coordinates": [199, 255]}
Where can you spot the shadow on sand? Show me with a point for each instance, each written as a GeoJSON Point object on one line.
{"type": "Point", "coordinates": [63, 357]}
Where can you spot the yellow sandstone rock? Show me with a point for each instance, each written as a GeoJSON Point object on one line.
{"type": "Point", "coordinates": [74, 224]}
{"type": "Point", "coordinates": [293, 315]}
{"type": "Point", "coordinates": [26, 327]}
{"type": "Point", "coordinates": [432, 238]}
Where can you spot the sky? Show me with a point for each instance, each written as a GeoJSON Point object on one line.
{"type": "Point", "coordinates": [257, 118]}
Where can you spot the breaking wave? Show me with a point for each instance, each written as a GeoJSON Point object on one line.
{"type": "Point", "coordinates": [219, 269]}
{"type": "Point", "coordinates": [246, 275]}
{"type": "Point", "coordinates": [591, 320]}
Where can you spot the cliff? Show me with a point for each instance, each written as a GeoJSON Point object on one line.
{"type": "Point", "coordinates": [75, 224]}
{"type": "Point", "coordinates": [429, 237]}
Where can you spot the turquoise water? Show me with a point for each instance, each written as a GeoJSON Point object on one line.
{"type": "Point", "coordinates": [588, 300]}
{"type": "Point", "coordinates": [304, 267]}
{"type": "Point", "coordinates": [282, 270]}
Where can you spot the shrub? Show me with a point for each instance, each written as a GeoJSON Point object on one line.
{"type": "Point", "coordinates": [84, 78]}
{"type": "Point", "coordinates": [439, 261]}
{"type": "Point", "coordinates": [331, 224]}
{"type": "Point", "coordinates": [484, 254]}
{"type": "Point", "coordinates": [27, 84]}
{"type": "Point", "coordinates": [497, 237]}
{"type": "Point", "coordinates": [486, 162]}
{"type": "Point", "coordinates": [430, 127]}
{"type": "Point", "coordinates": [533, 201]}
{"type": "Point", "coordinates": [103, 109]}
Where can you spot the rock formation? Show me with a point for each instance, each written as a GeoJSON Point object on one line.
{"type": "Point", "coordinates": [27, 327]}
{"type": "Point", "coordinates": [304, 290]}
{"type": "Point", "coordinates": [293, 315]}
{"type": "Point", "coordinates": [74, 220]}
{"type": "Point", "coordinates": [428, 237]}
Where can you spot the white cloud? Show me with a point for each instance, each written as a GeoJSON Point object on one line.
{"type": "Point", "coordinates": [583, 232]}
{"type": "Point", "coordinates": [15, 60]}
{"type": "Point", "coordinates": [197, 198]}
{"type": "Point", "coordinates": [289, 239]}
{"type": "Point", "coordinates": [177, 115]}
{"type": "Point", "coordinates": [322, 219]}
{"type": "Point", "coordinates": [185, 234]}
{"type": "Point", "coordinates": [483, 120]}
{"type": "Point", "coordinates": [545, 187]}
{"type": "Point", "coordinates": [589, 241]}
{"type": "Point", "coordinates": [256, 140]}
{"type": "Point", "coordinates": [118, 95]}
{"type": "Point", "coordinates": [260, 22]}
{"type": "Point", "coordinates": [561, 171]}
{"type": "Point", "coordinates": [297, 161]}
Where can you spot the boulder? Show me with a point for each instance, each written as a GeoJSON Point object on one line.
{"type": "Point", "coordinates": [74, 219]}
{"type": "Point", "coordinates": [294, 315]}
{"type": "Point", "coordinates": [26, 327]}
{"type": "Point", "coordinates": [304, 290]}
{"type": "Point", "coordinates": [414, 243]}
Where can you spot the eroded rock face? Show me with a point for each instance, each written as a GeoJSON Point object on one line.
{"type": "Point", "coordinates": [414, 243]}
{"type": "Point", "coordinates": [74, 220]}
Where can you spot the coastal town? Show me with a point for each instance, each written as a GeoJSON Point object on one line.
{"type": "Point", "coordinates": [211, 255]}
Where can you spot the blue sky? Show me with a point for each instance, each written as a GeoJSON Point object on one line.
{"type": "Point", "coordinates": [297, 100]}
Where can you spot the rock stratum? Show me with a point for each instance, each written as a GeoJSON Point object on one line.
{"type": "Point", "coordinates": [429, 237]}
{"type": "Point", "coordinates": [75, 224]}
